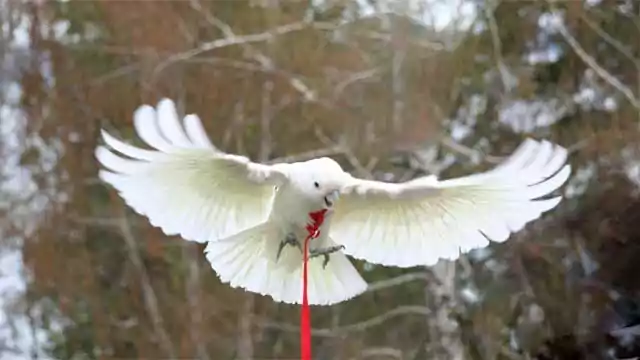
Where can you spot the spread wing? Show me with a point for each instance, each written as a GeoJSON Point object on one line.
{"type": "Point", "coordinates": [186, 186]}
{"type": "Point", "coordinates": [424, 220]}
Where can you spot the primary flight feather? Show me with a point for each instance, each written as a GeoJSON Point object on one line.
{"type": "Point", "coordinates": [253, 216]}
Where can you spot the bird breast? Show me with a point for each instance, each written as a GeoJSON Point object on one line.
{"type": "Point", "coordinates": [292, 208]}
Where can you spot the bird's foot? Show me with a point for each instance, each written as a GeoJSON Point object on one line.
{"type": "Point", "coordinates": [289, 240]}
{"type": "Point", "coordinates": [325, 252]}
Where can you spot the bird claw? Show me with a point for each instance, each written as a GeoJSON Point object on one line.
{"type": "Point", "coordinates": [289, 240]}
{"type": "Point", "coordinates": [325, 252]}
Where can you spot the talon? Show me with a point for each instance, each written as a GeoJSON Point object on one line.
{"type": "Point", "coordinates": [325, 252]}
{"type": "Point", "coordinates": [289, 240]}
{"type": "Point", "coordinates": [280, 247]}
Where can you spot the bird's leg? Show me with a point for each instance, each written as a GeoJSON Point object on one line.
{"type": "Point", "coordinates": [290, 239]}
{"type": "Point", "coordinates": [325, 252]}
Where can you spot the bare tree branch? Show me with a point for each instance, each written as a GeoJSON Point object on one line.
{"type": "Point", "coordinates": [397, 80]}
{"type": "Point", "coordinates": [599, 70]}
{"type": "Point", "coordinates": [377, 352]}
{"type": "Point", "coordinates": [263, 60]}
{"type": "Point", "coordinates": [124, 70]}
{"type": "Point", "coordinates": [229, 41]}
{"type": "Point", "coordinates": [267, 113]}
{"type": "Point", "coordinates": [148, 294]}
{"type": "Point", "coordinates": [359, 76]}
{"type": "Point", "coordinates": [623, 49]}
{"type": "Point", "coordinates": [376, 35]}
{"type": "Point", "coordinates": [97, 221]}
{"type": "Point", "coordinates": [193, 282]}
{"type": "Point", "coordinates": [497, 44]}
{"type": "Point", "coordinates": [308, 155]}
{"type": "Point", "coordinates": [593, 64]}
{"type": "Point", "coordinates": [360, 326]}
{"type": "Point", "coordinates": [398, 280]}
{"type": "Point", "coordinates": [245, 319]}
{"type": "Point", "coordinates": [193, 299]}
{"type": "Point", "coordinates": [454, 146]}
{"type": "Point", "coordinates": [346, 151]}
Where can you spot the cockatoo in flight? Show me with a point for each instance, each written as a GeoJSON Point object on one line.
{"type": "Point", "coordinates": [253, 216]}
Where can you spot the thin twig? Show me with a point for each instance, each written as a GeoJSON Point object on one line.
{"type": "Point", "coordinates": [357, 327]}
{"type": "Point", "coordinates": [97, 221]}
{"type": "Point", "coordinates": [624, 50]}
{"type": "Point", "coordinates": [346, 151]}
{"type": "Point", "coordinates": [245, 320]}
{"type": "Point", "coordinates": [398, 85]}
{"type": "Point", "coordinates": [375, 35]}
{"type": "Point", "coordinates": [308, 155]}
{"type": "Point", "coordinates": [263, 60]}
{"type": "Point", "coordinates": [398, 280]}
{"type": "Point", "coordinates": [125, 70]}
{"type": "Point", "coordinates": [266, 116]}
{"type": "Point", "coordinates": [497, 45]}
{"type": "Point", "coordinates": [193, 289]}
{"type": "Point", "coordinates": [593, 64]}
{"type": "Point", "coordinates": [221, 43]}
{"type": "Point", "coordinates": [451, 144]}
{"type": "Point", "coordinates": [148, 293]}
{"type": "Point", "coordinates": [376, 352]}
{"type": "Point", "coordinates": [359, 76]}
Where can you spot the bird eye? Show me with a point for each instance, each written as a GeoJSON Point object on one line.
{"type": "Point", "coordinates": [315, 183]}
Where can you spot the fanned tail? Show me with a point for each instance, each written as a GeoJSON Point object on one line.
{"type": "Point", "coordinates": [244, 260]}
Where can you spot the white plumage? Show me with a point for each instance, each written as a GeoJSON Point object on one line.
{"type": "Point", "coordinates": [186, 187]}
{"type": "Point", "coordinates": [424, 220]}
{"type": "Point", "coordinates": [246, 211]}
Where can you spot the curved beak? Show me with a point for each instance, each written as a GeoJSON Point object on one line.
{"type": "Point", "coordinates": [331, 198]}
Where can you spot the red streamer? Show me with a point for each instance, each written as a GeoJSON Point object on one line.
{"type": "Point", "coordinates": [313, 229]}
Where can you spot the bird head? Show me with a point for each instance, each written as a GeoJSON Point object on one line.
{"type": "Point", "coordinates": [320, 181]}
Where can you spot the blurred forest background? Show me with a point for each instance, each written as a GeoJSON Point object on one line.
{"type": "Point", "coordinates": [393, 89]}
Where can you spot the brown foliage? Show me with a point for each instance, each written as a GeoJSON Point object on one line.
{"type": "Point", "coordinates": [132, 292]}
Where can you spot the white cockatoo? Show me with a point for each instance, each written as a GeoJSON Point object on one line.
{"type": "Point", "coordinates": [253, 216]}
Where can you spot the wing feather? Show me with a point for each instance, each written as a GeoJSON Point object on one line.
{"type": "Point", "coordinates": [424, 220]}
{"type": "Point", "coordinates": [184, 185]}
{"type": "Point", "coordinates": [170, 126]}
{"type": "Point", "coordinates": [196, 133]}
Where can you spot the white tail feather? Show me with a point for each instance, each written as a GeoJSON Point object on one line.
{"type": "Point", "coordinates": [242, 260]}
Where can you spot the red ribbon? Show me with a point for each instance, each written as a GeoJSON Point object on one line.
{"type": "Point", "coordinates": [313, 230]}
